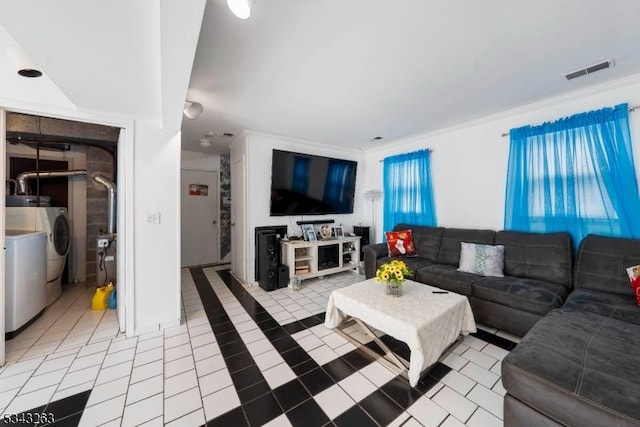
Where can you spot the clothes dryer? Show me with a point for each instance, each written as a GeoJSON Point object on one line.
{"type": "Point", "coordinates": [54, 222]}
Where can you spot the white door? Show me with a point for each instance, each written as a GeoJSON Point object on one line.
{"type": "Point", "coordinates": [3, 145]}
{"type": "Point", "coordinates": [238, 218]}
{"type": "Point", "coordinates": [199, 210]}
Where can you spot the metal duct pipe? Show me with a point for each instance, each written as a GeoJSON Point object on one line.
{"type": "Point", "coordinates": [111, 207]}
{"type": "Point", "coordinates": [21, 179]}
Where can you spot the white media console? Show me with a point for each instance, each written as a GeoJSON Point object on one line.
{"type": "Point", "coordinates": [313, 259]}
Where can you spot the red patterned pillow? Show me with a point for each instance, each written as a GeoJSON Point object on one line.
{"type": "Point", "coordinates": [634, 277]}
{"type": "Point", "coordinates": [400, 243]}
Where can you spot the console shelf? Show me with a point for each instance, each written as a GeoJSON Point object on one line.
{"type": "Point", "coordinates": [320, 258]}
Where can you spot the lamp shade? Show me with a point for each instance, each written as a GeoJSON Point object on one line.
{"type": "Point", "coordinates": [192, 109]}
{"type": "Point", "coordinates": [241, 8]}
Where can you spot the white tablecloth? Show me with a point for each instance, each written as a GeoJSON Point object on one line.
{"type": "Point", "coordinates": [428, 323]}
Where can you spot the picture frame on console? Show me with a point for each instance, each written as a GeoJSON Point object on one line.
{"type": "Point", "coordinates": [338, 232]}
{"type": "Point", "coordinates": [311, 236]}
{"type": "Point", "coordinates": [306, 228]}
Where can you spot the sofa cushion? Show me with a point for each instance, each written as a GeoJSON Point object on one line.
{"type": "Point", "coordinates": [531, 295]}
{"type": "Point", "coordinates": [414, 263]}
{"type": "Point", "coordinates": [427, 239]}
{"type": "Point", "coordinates": [602, 262]}
{"type": "Point", "coordinates": [578, 368]}
{"type": "Point", "coordinates": [620, 307]}
{"type": "Point", "coordinates": [449, 252]}
{"type": "Point", "coordinates": [447, 277]}
{"type": "Point", "coordinates": [400, 243]}
{"type": "Point", "coordinates": [484, 260]}
{"type": "Point", "coordinates": [543, 256]}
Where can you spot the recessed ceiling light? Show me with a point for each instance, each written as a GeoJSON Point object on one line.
{"type": "Point", "coordinates": [205, 143]}
{"type": "Point", "coordinates": [30, 72]}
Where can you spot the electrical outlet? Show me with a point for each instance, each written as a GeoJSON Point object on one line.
{"type": "Point", "coordinates": [153, 218]}
{"type": "Point", "coordinates": [103, 243]}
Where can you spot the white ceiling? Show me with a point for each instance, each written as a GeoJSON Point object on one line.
{"type": "Point", "coordinates": [340, 72]}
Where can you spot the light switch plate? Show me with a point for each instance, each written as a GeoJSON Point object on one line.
{"type": "Point", "coordinates": [153, 218]}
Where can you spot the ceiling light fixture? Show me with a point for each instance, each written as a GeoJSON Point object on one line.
{"type": "Point", "coordinates": [241, 8]}
{"type": "Point", "coordinates": [23, 63]}
{"type": "Point", "coordinates": [205, 143]}
{"type": "Point", "coordinates": [192, 109]}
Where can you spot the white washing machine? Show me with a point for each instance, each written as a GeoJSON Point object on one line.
{"type": "Point", "coordinates": [54, 222]}
{"type": "Point", "coordinates": [25, 274]}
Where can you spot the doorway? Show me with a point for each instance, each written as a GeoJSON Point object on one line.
{"type": "Point", "coordinates": [200, 231]}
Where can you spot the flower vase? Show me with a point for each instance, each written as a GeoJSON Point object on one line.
{"type": "Point", "coordinates": [394, 289]}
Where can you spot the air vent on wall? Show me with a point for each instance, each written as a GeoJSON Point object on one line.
{"type": "Point", "coordinates": [590, 69]}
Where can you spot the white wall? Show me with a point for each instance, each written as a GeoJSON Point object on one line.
{"type": "Point", "coordinates": [199, 161]}
{"type": "Point", "coordinates": [258, 175]}
{"type": "Point", "coordinates": [469, 161]}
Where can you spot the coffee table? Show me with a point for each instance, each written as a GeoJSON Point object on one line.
{"type": "Point", "coordinates": [429, 323]}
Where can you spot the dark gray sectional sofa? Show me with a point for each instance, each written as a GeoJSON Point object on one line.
{"type": "Point", "coordinates": [579, 361]}
{"type": "Point", "coordinates": [537, 269]}
{"type": "Point", "coordinates": [580, 364]}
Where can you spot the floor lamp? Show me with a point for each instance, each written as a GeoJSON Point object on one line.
{"type": "Point", "coordinates": [373, 195]}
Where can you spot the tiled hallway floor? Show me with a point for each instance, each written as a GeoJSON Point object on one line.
{"type": "Point", "coordinates": [242, 357]}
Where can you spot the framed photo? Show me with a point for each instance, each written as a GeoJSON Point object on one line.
{"type": "Point", "coordinates": [325, 232]}
{"type": "Point", "coordinates": [311, 236]}
{"type": "Point", "coordinates": [338, 232]}
{"type": "Point", "coordinates": [306, 228]}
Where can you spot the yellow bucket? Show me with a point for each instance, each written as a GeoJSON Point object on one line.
{"type": "Point", "coordinates": [100, 300]}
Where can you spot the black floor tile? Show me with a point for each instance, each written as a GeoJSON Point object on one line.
{"type": "Point", "coordinates": [285, 344]}
{"type": "Point", "coordinates": [233, 348]}
{"type": "Point", "coordinates": [312, 321]}
{"type": "Point", "coordinates": [275, 334]}
{"type": "Point", "coordinates": [380, 407]}
{"type": "Point", "coordinates": [262, 410]}
{"type": "Point", "coordinates": [354, 416]}
{"type": "Point", "coordinates": [69, 421]}
{"type": "Point", "coordinates": [439, 370]}
{"type": "Point", "coordinates": [294, 327]}
{"type": "Point", "coordinates": [357, 358]}
{"type": "Point", "coordinates": [295, 356]}
{"type": "Point", "coordinates": [254, 391]}
{"type": "Point", "coordinates": [222, 327]}
{"type": "Point", "coordinates": [338, 369]}
{"type": "Point", "coordinates": [305, 367]}
{"type": "Point", "coordinates": [426, 383]}
{"type": "Point", "coordinates": [239, 361]}
{"type": "Point", "coordinates": [308, 414]}
{"type": "Point", "coordinates": [227, 337]}
{"type": "Point", "coordinates": [291, 394]}
{"type": "Point", "coordinates": [268, 324]}
{"type": "Point", "coordinates": [246, 377]}
{"type": "Point", "coordinates": [68, 406]}
{"type": "Point", "coordinates": [371, 345]}
{"type": "Point", "coordinates": [235, 418]}
{"type": "Point", "coordinates": [494, 339]}
{"type": "Point", "coordinates": [260, 315]}
{"type": "Point", "coordinates": [401, 392]}
{"type": "Point", "coordinates": [316, 381]}
{"type": "Point", "coordinates": [15, 419]}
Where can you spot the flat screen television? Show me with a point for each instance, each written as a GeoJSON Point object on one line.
{"type": "Point", "coordinates": [305, 184]}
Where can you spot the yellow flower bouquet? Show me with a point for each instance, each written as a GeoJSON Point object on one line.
{"type": "Point", "coordinates": [393, 274]}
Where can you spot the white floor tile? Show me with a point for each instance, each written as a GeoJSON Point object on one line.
{"type": "Point", "coordinates": [177, 352]}
{"type": "Point", "coordinates": [43, 381]}
{"type": "Point", "coordinates": [268, 359]}
{"type": "Point", "coordinates": [106, 391]}
{"type": "Point", "coordinates": [214, 382]}
{"type": "Point", "coordinates": [479, 358]}
{"type": "Point", "coordinates": [454, 403]}
{"type": "Point", "coordinates": [79, 377]}
{"type": "Point", "coordinates": [145, 389]}
{"type": "Point", "coordinates": [150, 344]}
{"type": "Point", "coordinates": [377, 374]}
{"type": "Point", "coordinates": [323, 354]}
{"type": "Point", "coordinates": [103, 412]}
{"type": "Point", "coordinates": [142, 411]}
{"type": "Point", "coordinates": [182, 404]}
{"type": "Point", "coordinates": [357, 386]}
{"type": "Point", "coordinates": [27, 401]}
{"type": "Point", "coordinates": [114, 372]}
{"type": "Point", "coordinates": [178, 366]}
{"type": "Point", "coordinates": [427, 413]}
{"type": "Point", "coordinates": [278, 375]}
{"type": "Point", "coordinates": [334, 401]}
{"type": "Point", "coordinates": [220, 402]}
{"type": "Point", "coordinates": [144, 372]}
{"type": "Point", "coordinates": [179, 383]}
{"type": "Point", "coordinates": [487, 399]}
{"type": "Point", "coordinates": [460, 383]}
{"type": "Point", "coordinates": [195, 418]}
{"type": "Point", "coordinates": [209, 365]}
{"type": "Point", "coordinates": [480, 375]}
{"type": "Point", "coordinates": [281, 421]}
{"type": "Point", "coordinates": [482, 418]}
{"type": "Point", "coordinates": [148, 356]}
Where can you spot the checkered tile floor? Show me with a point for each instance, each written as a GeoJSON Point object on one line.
{"type": "Point", "coordinates": [243, 357]}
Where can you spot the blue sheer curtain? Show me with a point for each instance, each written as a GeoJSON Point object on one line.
{"type": "Point", "coordinates": [576, 175]}
{"type": "Point", "coordinates": [300, 180]}
{"type": "Point", "coordinates": [408, 194]}
{"type": "Point", "coordinates": [336, 192]}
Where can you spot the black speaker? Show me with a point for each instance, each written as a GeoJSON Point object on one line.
{"type": "Point", "coordinates": [268, 254]}
{"type": "Point", "coordinates": [363, 232]}
{"type": "Point", "coordinates": [283, 276]}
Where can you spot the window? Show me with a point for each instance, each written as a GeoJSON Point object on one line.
{"type": "Point", "coordinates": [408, 196]}
{"type": "Point", "coordinates": [574, 175]}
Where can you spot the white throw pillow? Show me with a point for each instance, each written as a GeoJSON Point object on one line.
{"type": "Point", "coordinates": [484, 260]}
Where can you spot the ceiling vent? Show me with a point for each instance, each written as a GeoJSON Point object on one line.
{"type": "Point", "coordinates": [590, 69]}
{"type": "Point", "coordinates": [228, 134]}
{"type": "Point", "coordinates": [376, 139]}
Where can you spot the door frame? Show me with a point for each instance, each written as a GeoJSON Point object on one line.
{"type": "Point", "coordinates": [125, 198]}
{"type": "Point", "coordinates": [216, 196]}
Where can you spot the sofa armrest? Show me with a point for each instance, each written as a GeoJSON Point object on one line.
{"type": "Point", "coordinates": [371, 254]}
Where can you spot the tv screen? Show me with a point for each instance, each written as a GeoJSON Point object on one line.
{"type": "Point", "coordinates": [305, 184]}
